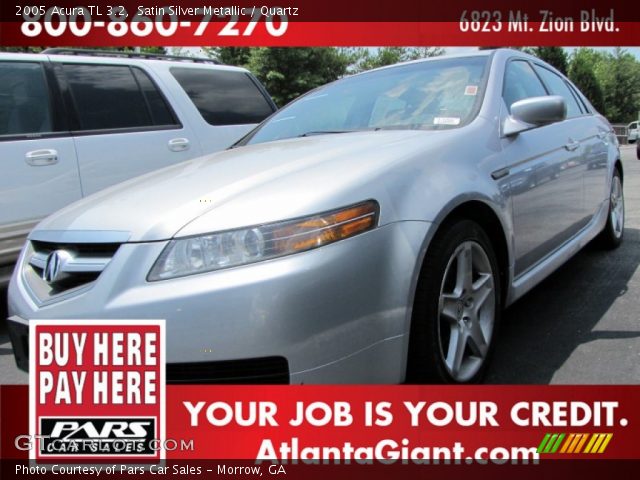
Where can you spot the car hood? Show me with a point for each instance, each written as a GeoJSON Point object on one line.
{"type": "Point", "coordinates": [244, 186]}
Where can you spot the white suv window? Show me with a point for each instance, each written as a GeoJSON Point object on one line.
{"type": "Point", "coordinates": [24, 99]}
{"type": "Point", "coordinates": [223, 97]}
{"type": "Point", "coordinates": [110, 97]}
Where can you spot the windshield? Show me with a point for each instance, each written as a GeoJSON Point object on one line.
{"type": "Point", "coordinates": [426, 95]}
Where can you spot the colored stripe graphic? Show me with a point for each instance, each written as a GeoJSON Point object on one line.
{"type": "Point", "coordinates": [569, 441]}
{"type": "Point", "coordinates": [543, 443]}
{"type": "Point", "coordinates": [550, 443]}
{"type": "Point", "coordinates": [605, 443]}
{"type": "Point", "coordinates": [556, 445]}
{"type": "Point", "coordinates": [573, 443]}
{"type": "Point", "coordinates": [581, 442]}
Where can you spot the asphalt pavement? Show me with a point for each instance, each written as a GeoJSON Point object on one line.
{"type": "Point", "coordinates": [580, 326]}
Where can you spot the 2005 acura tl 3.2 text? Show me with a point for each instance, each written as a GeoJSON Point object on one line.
{"type": "Point", "coordinates": [371, 231]}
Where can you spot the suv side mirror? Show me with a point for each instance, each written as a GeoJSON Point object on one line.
{"type": "Point", "coordinates": [638, 149]}
{"type": "Point", "coordinates": [534, 112]}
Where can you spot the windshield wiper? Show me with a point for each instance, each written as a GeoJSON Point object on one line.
{"type": "Point", "coordinates": [371, 129]}
{"type": "Point", "coordinates": [326, 132]}
{"type": "Point", "coordinates": [400, 127]}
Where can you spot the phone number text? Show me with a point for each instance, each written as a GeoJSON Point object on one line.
{"type": "Point", "coordinates": [165, 21]}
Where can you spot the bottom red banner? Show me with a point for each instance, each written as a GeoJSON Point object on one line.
{"type": "Point", "coordinates": [347, 430]}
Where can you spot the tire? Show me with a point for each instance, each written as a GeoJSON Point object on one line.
{"type": "Point", "coordinates": [613, 232]}
{"type": "Point", "coordinates": [446, 338]}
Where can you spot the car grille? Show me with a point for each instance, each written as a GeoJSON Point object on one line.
{"type": "Point", "coordinates": [78, 265]}
{"type": "Point", "coordinates": [268, 370]}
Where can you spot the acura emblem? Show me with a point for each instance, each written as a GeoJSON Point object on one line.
{"type": "Point", "coordinates": [54, 266]}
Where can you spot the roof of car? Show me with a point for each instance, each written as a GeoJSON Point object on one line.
{"type": "Point", "coordinates": [129, 54]}
{"type": "Point", "coordinates": [118, 57]}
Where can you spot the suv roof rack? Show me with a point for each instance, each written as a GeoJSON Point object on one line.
{"type": "Point", "coordinates": [118, 53]}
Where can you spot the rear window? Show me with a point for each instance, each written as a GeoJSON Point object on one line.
{"type": "Point", "coordinates": [24, 99]}
{"type": "Point", "coordinates": [116, 96]}
{"type": "Point", "coordinates": [223, 97]}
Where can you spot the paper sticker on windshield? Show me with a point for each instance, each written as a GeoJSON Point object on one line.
{"type": "Point", "coordinates": [471, 90]}
{"type": "Point", "coordinates": [446, 121]}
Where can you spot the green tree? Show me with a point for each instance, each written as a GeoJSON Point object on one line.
{"type": "Point", "coordinates": [236, 56]}
{"type": "Point", "coordinates": [22, 49]}
{"type": "Point", "coordinates": [158, 50]}
{"type": "Point", "coordinates": [581, 72]}
{"type": "Point", "coordinates": [555, 56]}
{"type": "Point", "coordinates": [620, 80]}
{"type": "Point", "coordinates": [289, 72]}
{"type": "Point", "coordinates": [366, 59]}
{"type": "Point", "coordinates": [618, 75]}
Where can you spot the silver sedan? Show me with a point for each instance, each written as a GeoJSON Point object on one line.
{"type": "Point", "coordinates": [369, 232]}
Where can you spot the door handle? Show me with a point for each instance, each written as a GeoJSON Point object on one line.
{"type": "Point", "coordinates": [572, 145]}
{"type": "Point", "coordinates": [498, 174]}
{"type": "Point", "coordinates": [41, 158]}
{"type": "Point", "coordinates": [179, 144]}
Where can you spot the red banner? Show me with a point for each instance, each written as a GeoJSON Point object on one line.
{"type": "Point", "coordinates": [247, 23]}
{"type": "Point", "coordinates": [317, 34]}
{"type": "Point", "coordinates": [396, 425]}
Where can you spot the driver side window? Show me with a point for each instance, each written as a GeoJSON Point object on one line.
{"type": "Point", "coordinates": [520, 82]}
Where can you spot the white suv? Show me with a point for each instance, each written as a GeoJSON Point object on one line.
{"type": "Point", "coordinates": [73, 122]}
{"type": "Point", "coordinates": [632, 132]}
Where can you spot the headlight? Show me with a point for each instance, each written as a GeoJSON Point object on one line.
{"type": "Point", "coordinates": [215, 251]}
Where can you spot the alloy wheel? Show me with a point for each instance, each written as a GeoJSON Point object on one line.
{"type": "Point", "coordinates": [466, 311]}
{"type": "Point", "coordinates": [617, 207]}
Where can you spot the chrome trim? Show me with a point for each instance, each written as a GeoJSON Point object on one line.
{"type": "Point", "coordinates": [43, 302]}
{"type": "Point", "coordinates": [44, 293]}
{"type": "Point", "coordinates": [75, 265]}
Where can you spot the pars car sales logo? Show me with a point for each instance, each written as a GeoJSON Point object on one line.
{"type": "Point", "coordinates": [97, 389]}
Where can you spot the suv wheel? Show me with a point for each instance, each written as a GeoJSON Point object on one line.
{"type": "Point", "coordinates": [457, 307]}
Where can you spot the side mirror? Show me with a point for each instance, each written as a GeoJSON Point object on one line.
{"type": "Point", "coordinates": [638, 149]}
{"type": "Point", "coordinates": [534, 112]}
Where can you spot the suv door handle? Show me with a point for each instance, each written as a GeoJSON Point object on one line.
{"type": "Point", "coordinates": [178, 144]}
{"type": "Point", "coordinates": [572, 145]}
{"type": "Point", "coordinates": [41, 158]}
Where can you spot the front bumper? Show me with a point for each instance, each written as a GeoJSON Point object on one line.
{"type": "Point", "coordinates": [336, 314]}
{"type": "Point", "coordinates": [272, 370]}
